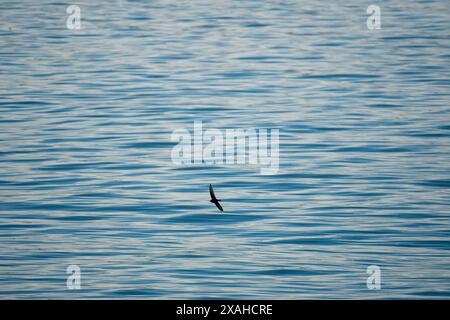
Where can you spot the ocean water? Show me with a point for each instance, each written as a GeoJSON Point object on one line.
{"type": "Point", "coordinates": [86, 176]}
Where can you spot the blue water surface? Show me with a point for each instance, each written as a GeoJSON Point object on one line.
{"type": "Point", "coordinates": [86, 176]}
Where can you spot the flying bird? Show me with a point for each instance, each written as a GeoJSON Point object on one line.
{"type": "Point", "coordinates": [214, 199]}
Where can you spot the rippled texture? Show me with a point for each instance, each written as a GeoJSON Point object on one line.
{"type": "Point", "coordinates": [86, 176]}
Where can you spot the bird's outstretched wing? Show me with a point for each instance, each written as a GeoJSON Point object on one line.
{"type": "Point", "coordinates": [217, 203]}
{"type": "Point", "coordinates": [214, 199]}
{"type": "Point", "coordinates": [211, 193]}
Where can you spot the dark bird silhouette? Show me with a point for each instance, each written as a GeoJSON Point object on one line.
{"type": "Point", "coordinates": [214, 199]}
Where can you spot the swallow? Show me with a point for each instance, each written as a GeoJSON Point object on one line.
{"type": "Point", "coordinates": [214, 199]}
